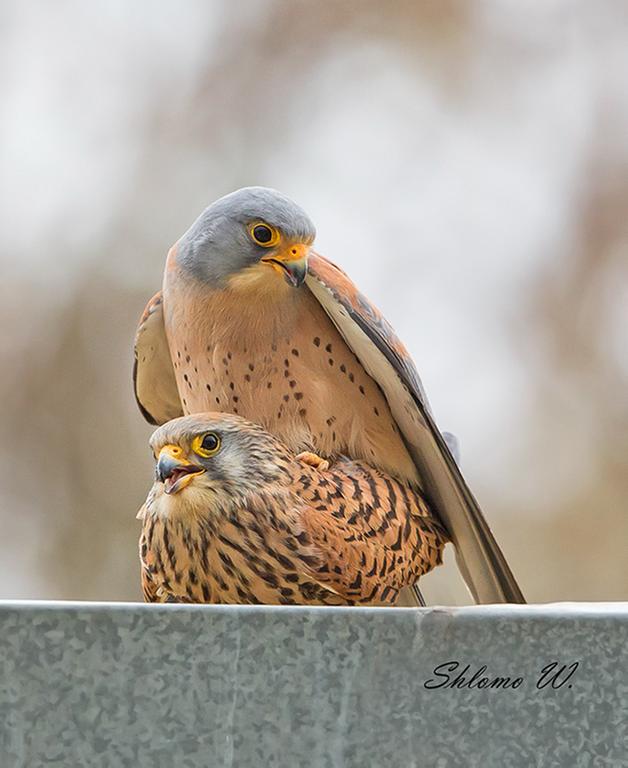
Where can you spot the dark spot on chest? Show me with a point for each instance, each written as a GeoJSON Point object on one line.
{"type": "Point", "coordinates": [309, 590]}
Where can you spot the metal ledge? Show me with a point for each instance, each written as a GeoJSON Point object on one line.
{"type": "Point", "coordinates": [89, 684]}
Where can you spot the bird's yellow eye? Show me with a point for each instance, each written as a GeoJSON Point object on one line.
{"type": "Point", "coordinates": [206, 445]}
{"type": "Point", "coordinates": [264, 234]}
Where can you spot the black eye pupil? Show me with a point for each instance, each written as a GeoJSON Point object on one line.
{"type": "Point", "coordinates": [210, 443]}
{"type": "Point", "coordinates": [262, 233]}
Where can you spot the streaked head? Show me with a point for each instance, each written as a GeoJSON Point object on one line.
{"type": "Point", "coordinates": [256, 232]}
{"type": "Point", "coordinates": [212, 458]}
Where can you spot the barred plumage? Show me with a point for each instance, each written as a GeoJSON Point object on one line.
{"type": "Point", "coordinates": [296, 534]}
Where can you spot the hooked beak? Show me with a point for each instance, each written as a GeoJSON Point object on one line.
{"type": "Point", "coordinates": [291, 262]}
{"type": "Point", "coordinates": [175, 471]}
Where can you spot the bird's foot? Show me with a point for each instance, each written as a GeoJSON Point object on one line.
{"type": "Point", "coordinates": [312, 460]}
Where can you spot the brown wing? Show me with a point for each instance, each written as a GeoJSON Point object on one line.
{"type": "Point", "coordinates": [386, 360]}
{"type": "Point", "coordinates": [153, 375]}
{"type": "Point", "coordinates": [374, 534]}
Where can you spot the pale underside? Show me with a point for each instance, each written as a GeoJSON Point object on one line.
{"type": "Point", "coordinates": [275, 358]}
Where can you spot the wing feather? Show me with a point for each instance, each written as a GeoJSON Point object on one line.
{"type": "Point", "coordinates": [374, 536]}
{"type": "Point", "coordinates": [373, 341]}
{"type": "Point", "coordinates": [155, 385]}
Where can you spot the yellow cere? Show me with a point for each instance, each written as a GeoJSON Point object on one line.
{"type": "Point", "coordinates": [175, 451]}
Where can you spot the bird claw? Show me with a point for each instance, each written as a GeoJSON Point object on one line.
{"type": "Point", "coordinates": [312, 460]}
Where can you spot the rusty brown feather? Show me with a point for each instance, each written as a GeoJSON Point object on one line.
{"type": "Point", "coordinates": [289, 534]}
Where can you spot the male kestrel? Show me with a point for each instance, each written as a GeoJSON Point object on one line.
{"type": "Point", "coordinates": [251, 321]}
{"type": "Point", "coordinates": [235, 517]}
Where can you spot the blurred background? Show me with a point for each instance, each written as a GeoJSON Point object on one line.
{"type": "Point", "coordinates": [465, 162]}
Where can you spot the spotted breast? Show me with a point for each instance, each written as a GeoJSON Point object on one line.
{"type": "Point", "coordinates": [276, 358]}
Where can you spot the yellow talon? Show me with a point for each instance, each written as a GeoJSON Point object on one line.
{"type": "Point", "coordinates": [312, 460]}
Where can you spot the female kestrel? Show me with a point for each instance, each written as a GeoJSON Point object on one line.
{"type": "Point", "coordinates": [235, 517]}
{"type": "Point", "coordinates": [251, 321]}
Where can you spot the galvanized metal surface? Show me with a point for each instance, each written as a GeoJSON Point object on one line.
{"type": "Point", "coordinates": [136, 685]}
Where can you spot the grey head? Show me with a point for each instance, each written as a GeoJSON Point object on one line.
{"type": "Point", "coordinates": [224, 240]}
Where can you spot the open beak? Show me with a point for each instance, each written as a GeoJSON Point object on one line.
{"type": "Point", "coordinates": [175, 471]}
{"type": "Point", "coordinates": [291, 262]}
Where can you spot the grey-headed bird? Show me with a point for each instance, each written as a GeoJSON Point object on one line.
{"type": "Point", "coordinates": [253, 322]}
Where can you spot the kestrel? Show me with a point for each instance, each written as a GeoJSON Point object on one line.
{"type": "Point", "coordinates": [253, 322]}
{"type": "Point", "coordinates": [235, 517]}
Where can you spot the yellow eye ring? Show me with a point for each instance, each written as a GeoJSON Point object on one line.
{"type": "Point", "coordinates": [206, 445]}
{"type": "Point", "coordinates": [263, 234]}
